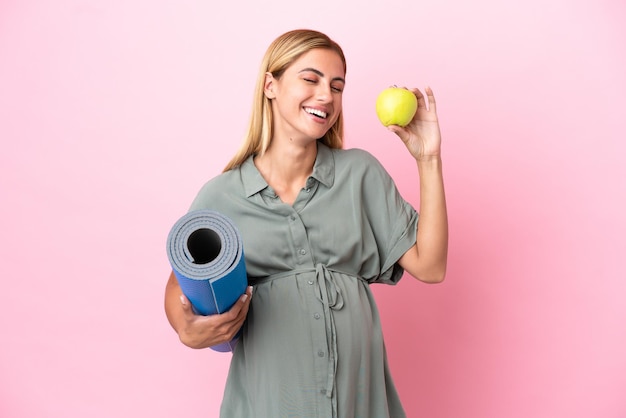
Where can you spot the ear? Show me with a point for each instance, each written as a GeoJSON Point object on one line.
{"type": "Point", "coordinates": [268, 87]}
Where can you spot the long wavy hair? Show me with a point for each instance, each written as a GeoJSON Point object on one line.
{"type": "Point", "coordinates": [282, 52]}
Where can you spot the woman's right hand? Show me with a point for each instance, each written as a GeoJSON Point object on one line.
{"type": "Point", "coordinates": [199, 331]}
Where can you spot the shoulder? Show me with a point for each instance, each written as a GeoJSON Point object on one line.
{"type": "Point", "coordinates": [222, 182]}
{"type": "Point", "coordinates": [353, 155]}
{"type": "Point", "coordinates": [217, 189]}
{"type": "Point", "coordinates": [354, 158]}
{"type": "Point", "coordinates": [357, 160]}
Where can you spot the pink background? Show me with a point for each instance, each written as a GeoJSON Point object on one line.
{"type": "Point", "coordinates": [113, 114]}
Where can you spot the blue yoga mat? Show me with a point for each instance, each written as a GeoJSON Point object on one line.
{"type": "Point", "coordinates": [205, 251]}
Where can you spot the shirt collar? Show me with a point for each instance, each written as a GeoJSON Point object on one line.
{"type": "Point", "coordinates": [323, 171]}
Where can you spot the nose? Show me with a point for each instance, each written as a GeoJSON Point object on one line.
{"type": "Point", "coordinates": [324, 93]}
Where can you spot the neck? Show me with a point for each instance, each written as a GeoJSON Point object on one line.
{"type": "Point", "coordinates": [286, 166]}
{"type": "Point", "coordinates": [288, 161]}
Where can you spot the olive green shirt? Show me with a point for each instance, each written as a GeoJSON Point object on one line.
{"type": "Point", "coordinates": [312, 344]}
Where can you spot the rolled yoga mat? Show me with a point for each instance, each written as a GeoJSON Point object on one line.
{"type": "Point", "coordinates": [205, 251]}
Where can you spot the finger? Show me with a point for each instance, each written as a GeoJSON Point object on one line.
{"type": "Point", "coordinates": [186, 305]}
{"type": "Point", "coordinates": [421, 101]}
{"type": "Point", "coordinates": [234, 326]}
{"type": "Point", "coordinates": [432, 105]}
{"type": "Point", "coordinates": [240, 307]}
{"type": "Point", "coordinates": [243, 313]}
{"type": "Point", "coordinates": [400, 131]}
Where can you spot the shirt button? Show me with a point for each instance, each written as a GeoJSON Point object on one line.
{"type": "Point", "coordinates": [320, 353]}
{"type": "Point", "coordinates": [302, 251]}
{"type": "Point", "coordinates": [316, 315]}
{"type": "Point", "coordinates": [307, 190]}
{"type": "Point", "coordinates": [323, 391]}
{"type": "Point", "coordinates": [293, 218]}
{"type": "Point", "coordinates": [310, 282]}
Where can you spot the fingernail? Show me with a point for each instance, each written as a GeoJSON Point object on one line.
{"type": "Point", "coordinates": [244, 297]}
{"type": "Point", "coordinates": [183, 300]}
{"type": "Point", "coordinates": [250, 288]}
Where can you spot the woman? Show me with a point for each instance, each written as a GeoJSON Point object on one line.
{"type": "Point", "coordinates": [319, 225]}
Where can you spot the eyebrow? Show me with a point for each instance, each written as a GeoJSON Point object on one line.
{"type": "Point", "coordinates": [321, 74]}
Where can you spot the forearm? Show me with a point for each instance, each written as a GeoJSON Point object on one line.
{"type": "Point", "coordinates": [432, 230]}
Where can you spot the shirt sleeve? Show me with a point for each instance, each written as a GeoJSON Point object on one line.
{"type": "Point", "coordinates": [392, 219]}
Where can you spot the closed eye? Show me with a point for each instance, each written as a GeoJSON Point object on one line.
{"type": "Point", "coordinates": [336, 89]}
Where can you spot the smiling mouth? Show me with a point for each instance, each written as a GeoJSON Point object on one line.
{"type": "Point", "coordinates": [316, 112]}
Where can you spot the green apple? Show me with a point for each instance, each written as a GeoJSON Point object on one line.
{"type": "Point", "coordinates": [396, 106]}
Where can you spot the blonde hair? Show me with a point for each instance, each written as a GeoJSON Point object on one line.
{"type": "Point", "coordinates": [282, 52]}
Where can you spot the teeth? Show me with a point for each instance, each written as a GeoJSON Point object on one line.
{"type": "Point", "coordinates": [315, 112]}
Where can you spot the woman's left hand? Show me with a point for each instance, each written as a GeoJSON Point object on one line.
{"type": "Point", "coordinates": [422, 136]}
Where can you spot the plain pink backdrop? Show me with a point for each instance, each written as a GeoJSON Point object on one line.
{"type": "Point", "coordinates": [113, 114]}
